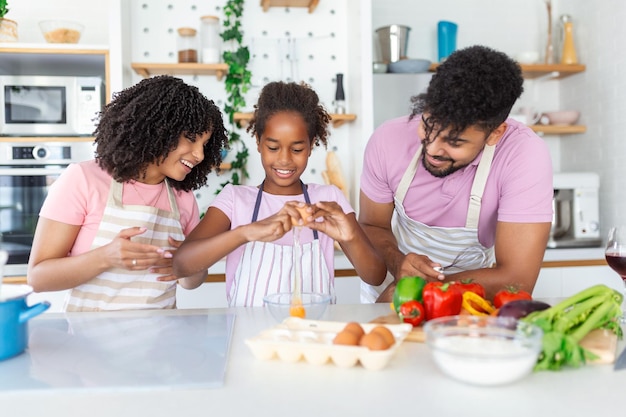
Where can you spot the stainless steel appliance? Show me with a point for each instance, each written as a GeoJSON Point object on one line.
{"type": "Point", "coordinates": [35, 105]}
{"type": "Point", "coordinates": [27, 170]}
{"type": "Point", "coordinates": [575, 220]}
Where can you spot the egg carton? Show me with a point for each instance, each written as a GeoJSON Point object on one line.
{"type": "Point", "coordinates": [298, 339]}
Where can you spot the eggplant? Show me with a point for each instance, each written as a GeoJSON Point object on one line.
{"type": "Point", "coordinates": [521, 308]}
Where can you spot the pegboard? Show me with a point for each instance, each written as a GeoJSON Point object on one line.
{"type": "Point", "coordinates": [286, 44]}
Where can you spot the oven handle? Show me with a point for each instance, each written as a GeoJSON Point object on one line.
{"type": "Point", "coordinates": [30, 172]}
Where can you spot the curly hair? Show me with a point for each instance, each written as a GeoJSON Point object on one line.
{"type": "Point", "coordinates": [280, 96]}
{"type": "Point", "coordinates": [143, 124]}
{"type": "Point", "coordinates": [474, 86]}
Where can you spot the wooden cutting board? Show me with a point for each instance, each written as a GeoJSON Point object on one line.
{"type": "Point", "coordinates": [599, 341]}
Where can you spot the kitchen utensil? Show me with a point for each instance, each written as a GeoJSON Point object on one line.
{"type": "Point", "coordinates": [379, 67]}
{"type": "Point", "coordinates": [280, 304]}
{"type": "Point", "coordinates": [446, 39]}
{"type": "Point", "coordinates": [483, 350]}
{"type": "Point", "coordinates": [469, 256]}
{"type": "Point", "coordinates": [61, 31]}
{"type": "Point", "coordinates": [412, 66]}
{"type": "Point", "coordinates": [568, 53]}
{"type": "Point", "coordinates": [620, 363]}
{"type": "Point", "coordinates": [340, 96]}
{"type": "Point", "coordinates": [562, 117]}
{"type": "Point", "coordinates": [14, 316]}
{"type": "Point", "coordinates": [549, 58]}
{"type": "Point", "coordinates": [393, 41]}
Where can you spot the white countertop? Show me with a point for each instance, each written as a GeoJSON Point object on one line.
{"type": "Point", "coordinates": [409, 385]}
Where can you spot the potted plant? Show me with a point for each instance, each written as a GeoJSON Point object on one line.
{"type": "Point", "coordinates": [8, 27]}
{"type": "Point", "coordinates": [237, 83]}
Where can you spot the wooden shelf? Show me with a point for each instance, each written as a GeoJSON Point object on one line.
{"type": "Point", "coordinates": [46, 139]}
{"type": "Point", "coordinates": [147, 70]}
{"type": "Point", "coordinates": [559, 129]}
{"type": "Point", "coordinates": [310, 4]}
{"type": "Point", "coordinates": [534, 71]}
{"type": "Point", "coordinates": [337, 119]}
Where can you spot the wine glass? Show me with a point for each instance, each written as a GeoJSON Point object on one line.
{"type": "Point", "coordinates": [615, 254]}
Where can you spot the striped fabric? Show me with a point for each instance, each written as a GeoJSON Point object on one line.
{"type": "Point", "coordinates": [121, 289]}
{"type": "Point", "coordinates": [440, 244]}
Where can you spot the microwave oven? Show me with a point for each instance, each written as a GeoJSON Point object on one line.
{"type": "Point", "coordinates": [35, 105]}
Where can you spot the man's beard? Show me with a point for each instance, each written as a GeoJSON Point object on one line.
{"type": "Point", "coordinates": [440, 172]}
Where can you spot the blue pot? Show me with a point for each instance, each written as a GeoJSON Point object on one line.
{"type": "Point", "coordinates": [14, 316]}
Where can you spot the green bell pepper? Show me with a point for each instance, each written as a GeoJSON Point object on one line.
{"type": "Point", "coordinates": [407, 289]}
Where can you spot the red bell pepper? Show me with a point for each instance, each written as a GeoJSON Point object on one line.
{"type": "Point", "coordinates": [412, 312]}
{"type": "Point", "coordinates": [441, 300]}
{"type": "Point", "coordinates": [468, 284]}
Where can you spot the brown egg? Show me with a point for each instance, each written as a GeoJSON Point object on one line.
{"type": "Point", "coordinates": [346, 338]}
{"type": "Point", "coordinates": [355, 328]}
{"type": "Point", "coordinates": [386, 333]}
{"type": "Point", "coordinates": [303, 213]}
{"type": "Point", "coordinates": [374, 341]}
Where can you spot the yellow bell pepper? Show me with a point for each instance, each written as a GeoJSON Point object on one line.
{"type": "Point", "coordinates": [476, 305]}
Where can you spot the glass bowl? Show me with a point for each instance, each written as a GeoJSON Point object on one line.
{"type": "Point", "coordinates": [484, 350]}
{"type": "Point", "coordinates": [61, 31]}
{"type": "Point", "coordinates": [314, 304]}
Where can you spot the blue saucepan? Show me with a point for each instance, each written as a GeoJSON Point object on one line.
{"type": "Point", "coordinates": [14, 316]}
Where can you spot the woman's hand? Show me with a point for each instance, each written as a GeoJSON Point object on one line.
{"type": "Point", "coordinates": [123, 253]}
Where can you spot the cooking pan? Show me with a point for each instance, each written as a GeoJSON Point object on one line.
{"type": "Point", "coordinates": [14, 316]}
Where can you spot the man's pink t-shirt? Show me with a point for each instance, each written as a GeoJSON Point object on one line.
{"type": "Point", "coordinates": [79, 196]}
{"type": "Point", "coordinates": [237, 203]}
{"type": "Point", "coordinates": [518, 190]}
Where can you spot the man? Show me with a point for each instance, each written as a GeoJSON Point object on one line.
{"type": "Point", "coordinates": [458, 174]}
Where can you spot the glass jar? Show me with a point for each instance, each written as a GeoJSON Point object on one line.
{"type": "Point", "coordinates": [210, 39]}
{"type": "Point", "coordinates": [187, 45]}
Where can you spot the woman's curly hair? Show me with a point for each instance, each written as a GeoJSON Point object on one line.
{"type": "Point", "coordinates": [473, 86]}
{"type": "Point", "coordinates": [143, 124]}
{"type": "Point", "coordinates": [280, 96]}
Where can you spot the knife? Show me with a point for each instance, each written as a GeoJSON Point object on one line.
{"type": "Point", "coordinates": [620, 363]}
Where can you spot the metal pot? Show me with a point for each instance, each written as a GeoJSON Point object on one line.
{"type": "Point", "coordinates": [14, 316]}
{"type": "Point", "coordinates": [393, 41]}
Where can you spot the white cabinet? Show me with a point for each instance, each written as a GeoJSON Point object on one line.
{"type": "Point", "coordinates": [566, 281]}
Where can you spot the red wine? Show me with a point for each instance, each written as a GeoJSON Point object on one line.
{"type": "Point", "coordinates": [617, 263]}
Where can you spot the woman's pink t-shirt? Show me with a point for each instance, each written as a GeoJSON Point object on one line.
{"type": "Point", "coordinates": [79, 196]}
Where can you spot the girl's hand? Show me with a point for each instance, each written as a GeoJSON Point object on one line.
{"type": "Point", "coordinates": [334, 222]}
{"type": "Point", "coordinates": [270, 228]}
{"type": "Point", "coordinates": [164, 266]}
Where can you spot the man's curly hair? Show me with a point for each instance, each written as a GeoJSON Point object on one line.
{"type": "Point", "coordinates": [143, 124]}
{"type": "Point", "coordinates": [474, 86]}
{"type": "Point", "coordinates": [280, 96]}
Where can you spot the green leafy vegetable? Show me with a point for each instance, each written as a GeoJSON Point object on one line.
{"type": "Point", "coordinates": [566, 323]}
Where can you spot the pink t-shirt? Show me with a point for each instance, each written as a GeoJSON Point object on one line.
{"type": "Point", "coordinates": [518, 189]}
{"type": "Point", "coordinates": [79, 196]}
{"type": "Point", "coordinates": [237, 203]}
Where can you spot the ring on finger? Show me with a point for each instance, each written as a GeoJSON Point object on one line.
{"type": "Point", "coordinates": [134, 262]}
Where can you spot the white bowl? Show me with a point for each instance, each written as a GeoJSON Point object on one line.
{"type": "Point", "coordinates": [409, 66]}
{"type": "Point", "coordinates": [484, 350]}
{"type": "Point", "coordinates": [61, 31]}
{"type": "Point", "coordinates": [562, 117]}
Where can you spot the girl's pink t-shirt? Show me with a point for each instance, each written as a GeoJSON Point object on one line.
{"type": "Point", "coordinates": [79, 196]}
{"type": "Point", "coordinates": [237, 203]}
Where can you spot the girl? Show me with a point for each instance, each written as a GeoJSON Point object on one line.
{"type": "Point", "coordinates": [108, 227]}
{"type": "Point", "coordinates": [253, 225]}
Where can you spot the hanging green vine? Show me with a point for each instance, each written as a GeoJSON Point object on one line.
{"type": "Point", "coordinates": [237, 84]}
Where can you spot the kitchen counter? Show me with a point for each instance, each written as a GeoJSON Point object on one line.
{"type": "Point", "coordinates": [409, 384]}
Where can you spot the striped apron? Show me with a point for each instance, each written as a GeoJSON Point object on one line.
{"type": "Point", "coordinates": [119, 288]}
{"type": "Point", "coordinates": [267, 268]}
{"type": "Point", "coordinates": [440, 244]}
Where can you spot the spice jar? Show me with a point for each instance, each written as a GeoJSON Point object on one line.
{"type": "Point", "coordinates": [210, 39]}
{"type": "Point", "coordinates": [187, 45]}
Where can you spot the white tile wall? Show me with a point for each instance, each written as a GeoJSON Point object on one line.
{"type": "Point", "coordinates": [600, 94]}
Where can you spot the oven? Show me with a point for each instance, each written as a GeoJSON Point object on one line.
{"type": "Point", "coordinates": [27, 170]}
